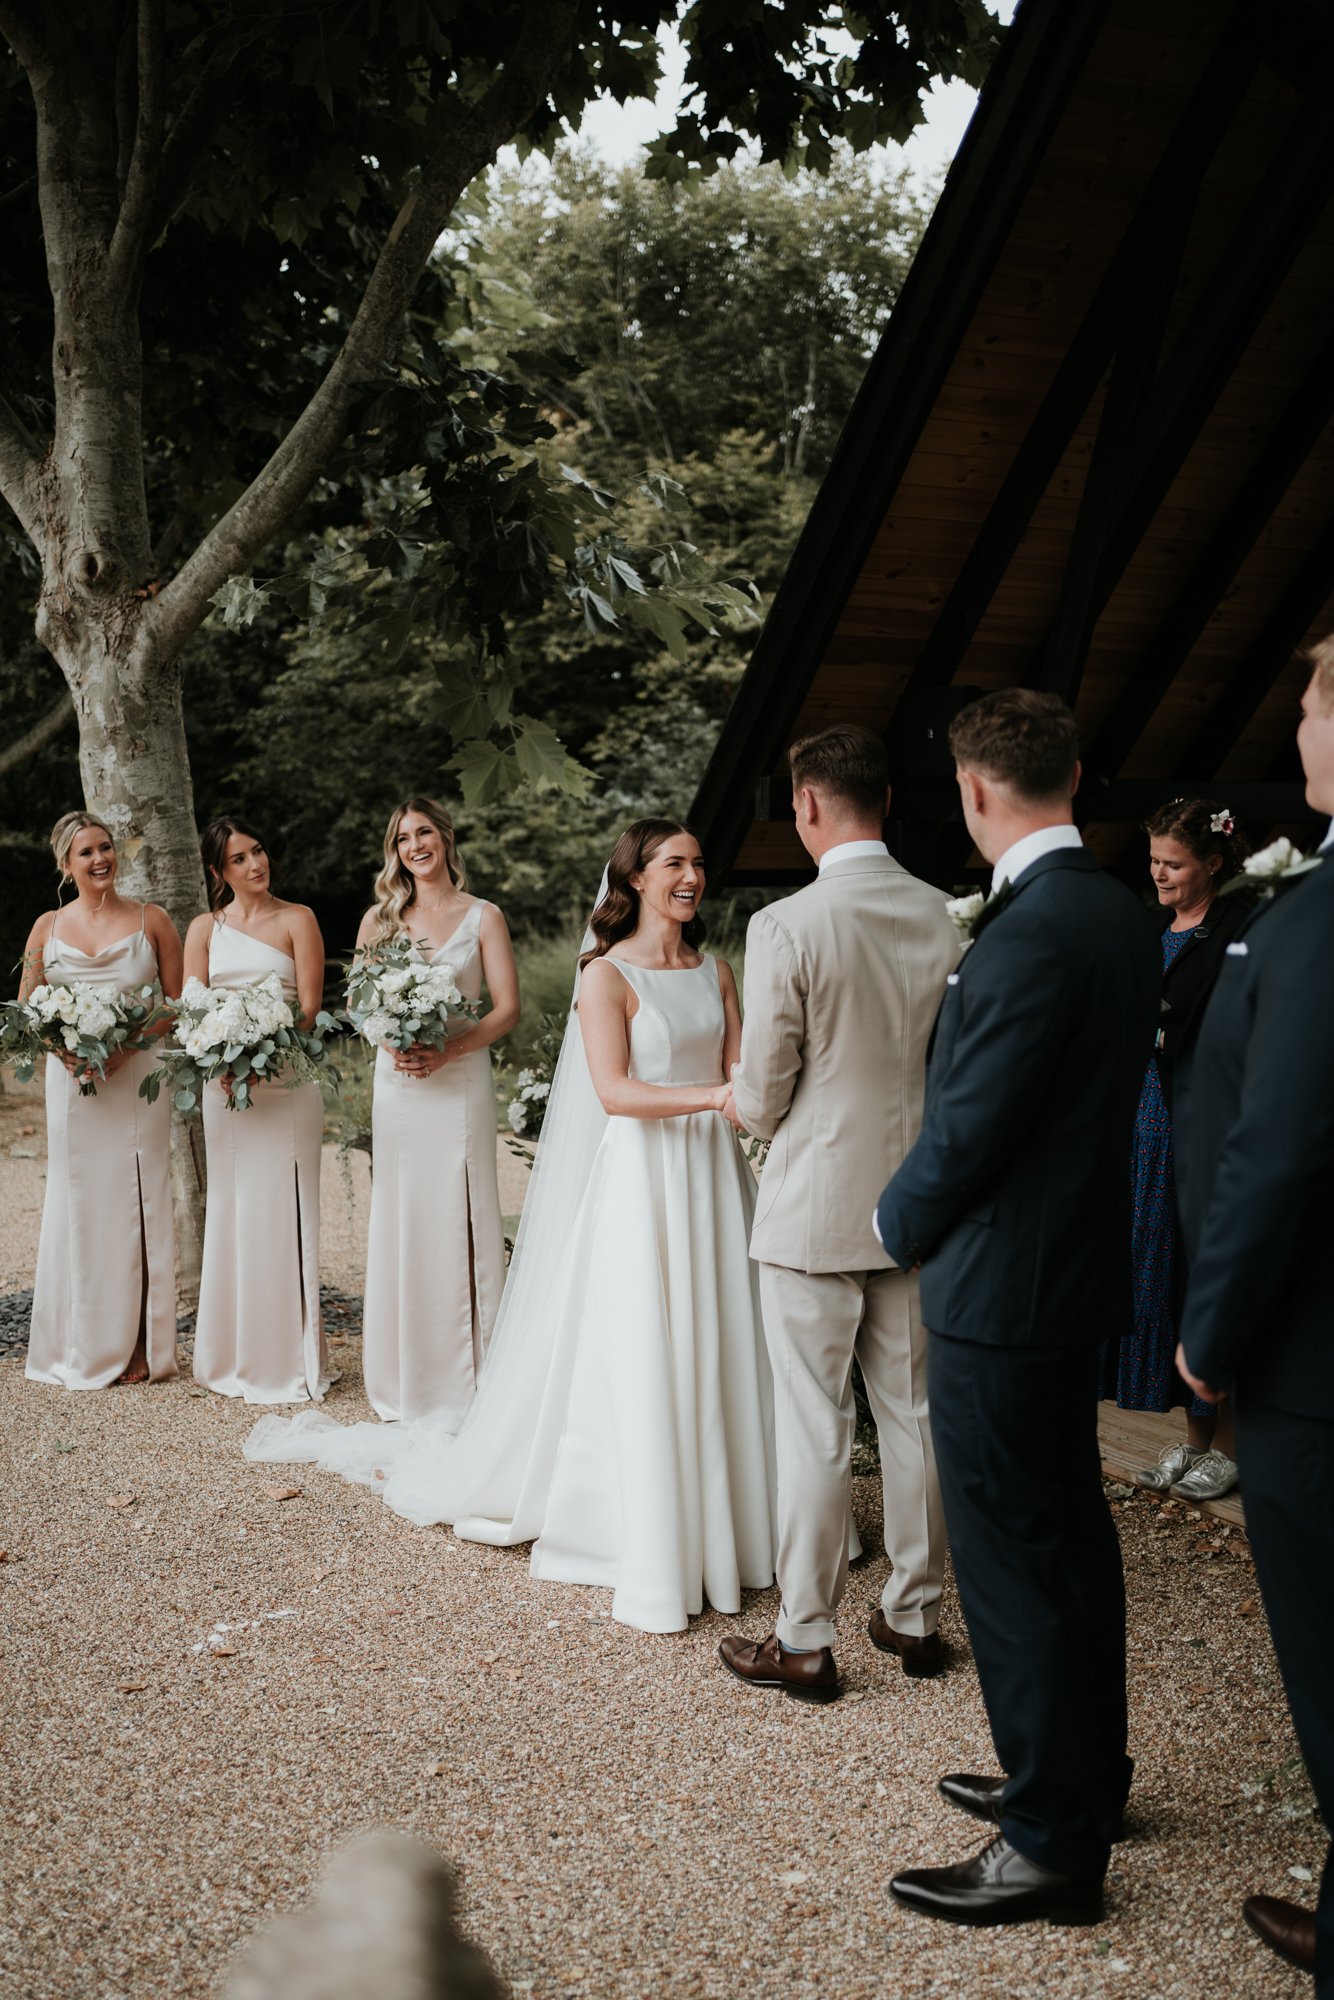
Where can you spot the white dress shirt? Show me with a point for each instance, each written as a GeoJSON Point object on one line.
{"type": "Point", "coordinates": [851, 850]}
{"type": "Point", "coordinates": [1325, 844]}
{"type": "Point", "coordinates": [1031, 848]}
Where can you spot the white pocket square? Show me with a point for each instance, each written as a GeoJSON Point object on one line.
{"type": "Point", "coordinates": [1238, 951]}
{"type": "Point", "coordinates": [951, 978]}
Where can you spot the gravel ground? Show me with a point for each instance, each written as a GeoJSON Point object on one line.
{"type": "Point", "coordinates": [206, 1686]}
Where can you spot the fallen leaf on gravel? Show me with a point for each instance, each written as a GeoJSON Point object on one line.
{"type": "Point", "coordinates": [138, 1687]}
{"type": "Point", "coordinates": [222, 1652]}
{"type": "Point", "coordinates": [434, 1771]}
{"type": "Point", "coordinates": [283, 1492]}
{"type": "Point", "coordinates": [4, 1555]}
{"type": "Point", "coordinates": [394, 1611]}
{"type": "Point", "coordinates": [489, 1659]}
{"type": "Point", "coordinates": [855, 1694]}
{"type": "Point", "coordinates": [326, 1570]}
{"type": "Point", "coordinates": [514, 1673]}
{"type": "Point", "coordinates": [1249, 1608]}
{"type": "Point", "coordinates": [121, 1500]}
{"type": "Point", "coordinates": [1301, 1874]}
{"type": "Point", "coordinates": [793, 1876]}
{"type": "Point", "coordinates": [324, 1659]}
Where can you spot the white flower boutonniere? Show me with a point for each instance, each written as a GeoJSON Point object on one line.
{"type": "Point", "coordinates": [966, 913]}
{"type": "Point", "coordinates": [1266, 869]}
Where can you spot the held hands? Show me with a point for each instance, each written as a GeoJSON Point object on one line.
{"type": "Point", "coordinates": [1202, 1389]}
{"type": "Point", "coordinates": [727, 1105]}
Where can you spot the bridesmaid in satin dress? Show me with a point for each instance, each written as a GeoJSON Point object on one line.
{"type": "Point", "coordinates": [435, 1262]}
{"type": "Point", "coordinates": [259, 1335]}
{"type": "Point", "coordinates": [104, 1297]}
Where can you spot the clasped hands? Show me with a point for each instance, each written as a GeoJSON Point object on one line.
{"type": "Point", "coordinates": [727, 1106]}
{"type": "Point", "coordinates": [419, 1060]}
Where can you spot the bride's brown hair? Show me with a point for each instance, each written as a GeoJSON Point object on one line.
{"type": "Point", "coordinates": [617, 915]}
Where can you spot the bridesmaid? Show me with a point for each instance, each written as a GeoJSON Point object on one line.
{"type": "Point", "coordinates": [259, 1334]}
{"type": "Point", "coordinates": [435, 1263]}
{"type": "Point", "coordinates": [104, 1298]}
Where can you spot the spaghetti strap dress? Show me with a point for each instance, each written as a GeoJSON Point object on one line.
{"type": "Point", "coordinates": [259, 1334]}
{"type": "Point", "coordinates": [435, 1260]}
{"type": "Point", "coordinates": [106, 1258]}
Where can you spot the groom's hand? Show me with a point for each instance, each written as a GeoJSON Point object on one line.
{"type": "Point", "coordinates": [730, 1112]}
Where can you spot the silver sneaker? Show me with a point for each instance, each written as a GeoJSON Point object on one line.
{"type": "Point", "coordinates": [1212, 1475]}
{"type": "Point", "coordinates": [1172, 1463]}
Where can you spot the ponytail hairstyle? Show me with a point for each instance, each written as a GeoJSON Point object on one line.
{"type": "Point", "coordinates": [617, 915]}
{"type": "Point", "coordinates": [64, 833]}
{"type": "Point", "coordinates": [395, 888]}
{"type": "Point", "coordinates": [213, 848]}
{"type": "Point", "coordinates": [1205, 828]}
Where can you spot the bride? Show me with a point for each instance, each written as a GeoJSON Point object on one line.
{"type": "Point", "coordinates": [624, 1416]}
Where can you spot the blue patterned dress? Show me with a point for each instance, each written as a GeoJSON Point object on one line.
{"type": "Point", "coordinates": [1141, 1374]}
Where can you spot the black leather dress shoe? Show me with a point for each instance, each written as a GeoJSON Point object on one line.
{"type": "Point", "coordinates": [1285, 1927]}
{"type": "Point", "coordinates": [1000, 1886]}
{"type": "Point", "coordinates": [982, 1798]}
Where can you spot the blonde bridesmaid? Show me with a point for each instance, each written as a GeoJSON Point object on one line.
{"type": "Point", "coordinates": [259, 1335]}
{"type": "Point", "coordinates": [435, 1263]}
{"type": "Point", "coordinates": [104, 1297]}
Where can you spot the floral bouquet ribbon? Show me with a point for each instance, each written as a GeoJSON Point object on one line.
{"type": "Point", "coordinates": [240, 1035]}
{"type": "Point", "coordinates": [90, 1023]}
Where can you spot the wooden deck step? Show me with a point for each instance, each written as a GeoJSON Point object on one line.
{"type": "Point", "coordinates": [1131, 1438]}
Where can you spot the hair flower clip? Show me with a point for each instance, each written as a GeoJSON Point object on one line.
{"type": "Point", "coordinates": [1222, 822]}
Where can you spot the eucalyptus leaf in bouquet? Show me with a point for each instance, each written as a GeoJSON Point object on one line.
{"type": "Point", "coordinates": [397, 999]}
{"type": "Point", "coordinates": [90, 1023]}
{"type": "Point", "coordinates": [240, 1035]}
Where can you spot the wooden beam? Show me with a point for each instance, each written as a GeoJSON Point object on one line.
{"type": "Point", "coordinates": [1286, 450]}
{"type": "Point", "coordinates": [1186, 156]}
{"type": "Point", "coordinates": [1305, 596]}
{"type": "Point", "coordinates": [1021, 103]}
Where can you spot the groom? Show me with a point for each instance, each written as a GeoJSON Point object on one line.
{"type": "Point", "coordinates": [842, 984]}
{"type": "Point", "coordinates": [1015, 1202]}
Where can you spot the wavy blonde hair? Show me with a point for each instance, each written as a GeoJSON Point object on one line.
{"type": "Point", "coordinates": [395, 888]}
{"type": "Point", "coordinates": [65, 831]}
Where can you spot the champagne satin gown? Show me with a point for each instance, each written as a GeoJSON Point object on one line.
{"type": "Point", "coordinates": [435, 1261]}
{"type": "Point", "coordinates": [106, 1259]}
{"type": "Point", "coordinates": [259, 1335]}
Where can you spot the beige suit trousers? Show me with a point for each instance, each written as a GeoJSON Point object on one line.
{"type": "Point", "coordinates": [814, 1323]}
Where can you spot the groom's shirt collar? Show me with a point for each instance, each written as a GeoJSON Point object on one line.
{"type": "Point", "coordinates": [1328, 842]}
{"type": "Point", "coordinates": [1030, 849]}
{"type": "Point", "coordinates": [851, 850]}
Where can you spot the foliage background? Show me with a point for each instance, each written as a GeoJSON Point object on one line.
{"type": "Point", "coordinates": [719, 333]}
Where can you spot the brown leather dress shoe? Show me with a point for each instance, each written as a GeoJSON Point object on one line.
{"type": "Point", "coordinates": [1285, 1927]}
{"type": "Point", "coordinates": [805, 1676]}
{"type": "Point", "coordinates": [923, 1658]}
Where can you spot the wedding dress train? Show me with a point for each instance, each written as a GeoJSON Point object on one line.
{"type": "Point", "coordinates": [624, 1418]}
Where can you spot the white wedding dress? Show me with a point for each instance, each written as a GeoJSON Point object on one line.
{"type": "Point", "coordinates": [624, 1417]}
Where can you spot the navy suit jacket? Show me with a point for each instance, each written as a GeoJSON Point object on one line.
{"type": "Point", "coordinates": [1015, 1199]}
{"type": "Point", "coordinates": [1257, 1133]}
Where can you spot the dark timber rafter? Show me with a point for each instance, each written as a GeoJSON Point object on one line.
{"type": "Point", "coordinates": [1308, 591]}
{"type": "Point", "coordinates": [1307, 415]}
{"type": "Point", "coordinates": [1270, 235]}
{"type": "Point", "coordinates": [1185, 160]}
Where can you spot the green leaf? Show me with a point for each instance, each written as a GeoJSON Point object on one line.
{"type": "Point", "coordinates": [484, 773]}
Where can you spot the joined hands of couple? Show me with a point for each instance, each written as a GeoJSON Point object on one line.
{"type": "Point", "coordinates": [729, 1111]}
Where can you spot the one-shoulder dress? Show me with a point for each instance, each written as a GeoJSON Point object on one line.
{"type": "Point", "coordinates": [106, 1259]}
{"type": "Point", "coordinates": [259, 1335]}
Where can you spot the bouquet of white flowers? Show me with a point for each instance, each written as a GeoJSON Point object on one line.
{"type": "Point", "coordinates": [401, 1002]}
{"type": "Point", "coordinates": [87, 1022]}
{"type": "Point", "coordinates": [247, 1034]}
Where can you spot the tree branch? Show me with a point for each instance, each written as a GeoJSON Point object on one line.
{"type": "Point", "coordinates": [22, 23]}
{"type": "Point", "coordinates": [130, 240]}
{"type": "Point", "coordinates": [273, 496]}
{"type": "Point", "coordinates": [17, 192]}
{"type": "Point", "coordinates": [191, 130]}
{"type": "Point", "coordinates": [19, 460]}
{"type": "Point", "coordinates": [57, 717]}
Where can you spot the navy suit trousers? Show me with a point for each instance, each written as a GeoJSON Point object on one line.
{"type": "Point", "coordinates": [1038, 1565]}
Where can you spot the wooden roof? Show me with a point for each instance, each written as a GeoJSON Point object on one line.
{"type": "Point", "coordinates": [1094, 450]}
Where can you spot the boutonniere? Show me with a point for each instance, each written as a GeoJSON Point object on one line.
{"type": "Point", "coordinates": [969, 914]}
{"type": "Point", "coordinates": [1271, 867]}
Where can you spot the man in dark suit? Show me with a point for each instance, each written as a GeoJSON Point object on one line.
{"type": "Point", "coordinates": [1015, 1202]}
{"type": "Point", "coordinates": [1258, 1136]}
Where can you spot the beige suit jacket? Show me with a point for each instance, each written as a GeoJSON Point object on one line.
{"type": "Point", "coordinates": [843, 981]}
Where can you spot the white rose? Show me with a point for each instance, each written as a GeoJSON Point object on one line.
{"type": "Point", "coordinates": [518, 1116]}
{"type": "Point", "coordinates": [395, 981]}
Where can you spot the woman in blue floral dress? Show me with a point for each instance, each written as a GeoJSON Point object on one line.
{"type": "Point", "coordinates": [1193, 849]}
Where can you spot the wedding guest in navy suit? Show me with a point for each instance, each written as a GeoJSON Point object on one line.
{"type": "Point", "coordinates": [1259, 1316]}
{"type": "Point", "coordinates": [1015, 1202]}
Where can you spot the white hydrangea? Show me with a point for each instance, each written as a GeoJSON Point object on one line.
{"type": "Point", "coordinates": [377, 1028]}
{"type": "Point", "coordinates": [518, 1116]}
